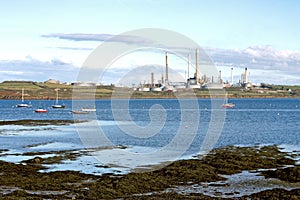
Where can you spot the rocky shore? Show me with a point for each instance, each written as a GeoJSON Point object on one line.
{"type": "Point", "coordinates": [248, 172]}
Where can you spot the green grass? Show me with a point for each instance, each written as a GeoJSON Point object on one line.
{"type": "Point", "coordinates": [18, 85]}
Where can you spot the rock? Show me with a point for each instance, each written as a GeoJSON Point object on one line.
{"type": "Point", "coordinates": [35, 160]}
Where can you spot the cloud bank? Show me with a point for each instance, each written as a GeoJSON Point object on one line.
{"type": "Point", "coordinates": [128, 39]}
{"type": "Point", "coordinates": [265, 63]}
{"type": "Point", "coordinates": [257, 57]}
{"type": "Point", "coordinates": [36, 70]}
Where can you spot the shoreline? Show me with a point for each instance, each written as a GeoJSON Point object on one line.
{"type": "Point", "coordinates": [170, 97]}
{"type": "Point", "coordinates": [202, 178]}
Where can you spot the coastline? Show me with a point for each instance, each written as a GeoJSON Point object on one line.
{"type": "Point", "coordinates": [263, 171]}
{"type": "Point", "coordinates": [99, 96]}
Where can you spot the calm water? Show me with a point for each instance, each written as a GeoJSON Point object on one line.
{"type": "Point", "coordinates": [252, 121]}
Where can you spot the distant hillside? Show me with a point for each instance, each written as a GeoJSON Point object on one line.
{"type": "Point", "coordinates": [38, 90]}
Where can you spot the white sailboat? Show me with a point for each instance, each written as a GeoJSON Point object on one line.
{"type": "Point", "coordinates": [23, 104]}
{"type": "Point", "coordinates": [56, 105]}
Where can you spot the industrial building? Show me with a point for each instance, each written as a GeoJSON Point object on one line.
{"type": "Point", "coordinates": [195, 82]}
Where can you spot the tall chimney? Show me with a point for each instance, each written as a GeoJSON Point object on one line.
{"type": "Point", "coordinates": [197, 76]}
{"type": "Point", "coordinates": [231, 76]}
{"type": "Point", "coordinates": [220, 77]}
{"type": "Point", "coordinates": [188, 75]}
{"type": "Point", "coordinates": [152, 79]}
{"type": "Point", "coordinates": [167, 73]}
{"type": "Point", "coordinates": [246, 75]}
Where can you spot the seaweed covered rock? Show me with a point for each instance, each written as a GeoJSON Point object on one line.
{"type": "Point", "coordinates": [290, 174]}
{"type": "Point", "coordinates": [35, 160]}
{"type": "Point", "coordinates": [232, 159]}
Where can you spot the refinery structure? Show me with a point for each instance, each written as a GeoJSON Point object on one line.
{"type": "Point", "coordinates": [195, 82]}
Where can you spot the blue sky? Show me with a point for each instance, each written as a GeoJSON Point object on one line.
{"type": "Point", "coordinates": [231, 30]}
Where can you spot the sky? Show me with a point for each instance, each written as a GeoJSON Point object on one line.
{"type": "Point", "coordinates": [43, 39]}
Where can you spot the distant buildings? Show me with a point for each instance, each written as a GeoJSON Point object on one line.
{"type": "Point", "coordinates": [52, 81]}
{"type": "Point", "coordinates": [196, 82]}
{"type": "Point", "coordinates": [83, 84]}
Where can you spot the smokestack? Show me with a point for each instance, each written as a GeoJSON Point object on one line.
{"type": "Point", "coordinates": [197, 76]}
{"type": "Point", "coordinates": [152, 79]}
{"type": "Point", "coordinates": [167, 73]}
{"type": "Point", "coordinates": [188, 66]}
{"type": "Point", "coordinates": [220, 76]}
{"type": "Point", "coordinates": [162, 79]}
{"type": "Point", "coordinates": [231, 76]}
{"type": "Point", "coordinates": [246, 75]}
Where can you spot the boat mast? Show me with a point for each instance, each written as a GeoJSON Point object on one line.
{"type": "Point", "coordinates": [196, 75]}
{"type": "Point", "coordinates": [22, 94]}
{"type": "Point", "coordinates": [56, 96]}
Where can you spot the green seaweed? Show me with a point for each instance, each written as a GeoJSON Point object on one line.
{"type": "Point", "coordinates": [151, 184]}
{"type": "Point", "coordinates": [29, 122]}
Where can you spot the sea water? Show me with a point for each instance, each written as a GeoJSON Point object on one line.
{"type": "Point", "coordinates": [250, 122]}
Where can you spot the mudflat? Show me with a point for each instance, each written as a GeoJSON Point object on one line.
{"type": "Point", "coordinates": [203, 177]}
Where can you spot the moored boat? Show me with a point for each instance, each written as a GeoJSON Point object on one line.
{"type": "Point", "coordinates": [23, 104]}
{"type": "Point", "coordinates": [228, 105]}
{"type": "Point", "coordinates": [56, 105]}
{"type": "Point", "coordinates": [41, 110]}
{"type": "Point", "coordinates": [79, 112]}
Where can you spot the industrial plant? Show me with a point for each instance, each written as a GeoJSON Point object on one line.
{"type": "Point", "coordinates": [195, 82]}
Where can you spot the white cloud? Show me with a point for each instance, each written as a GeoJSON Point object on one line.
{"type": "Point", "coordinates": [11, 72]}
{"type": "Point", "coordinates": [265, 63]}
{"type": "Point", "coordinates": [129, 39]}
{"type": "Point", "coordinates": [269, 52]}
{"type": "Point", "coordinates": [257, 57]}
{"type": "Point", "coordinates": [36, 70]}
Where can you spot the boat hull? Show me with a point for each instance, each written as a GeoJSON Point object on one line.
{"type": "Point", "coordinates": [23, 105]}
{"type": "Point", "coordinates": [79, 112]}
{"type": "Point", "coordinates": [41, 111]}
{"type": "Point", "coordinates": [58, 106]}
{"type": "Point", "coordinates": [228, 105]}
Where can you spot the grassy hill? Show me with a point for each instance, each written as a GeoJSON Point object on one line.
{"type": "Point", "coordinates": [39, 90]}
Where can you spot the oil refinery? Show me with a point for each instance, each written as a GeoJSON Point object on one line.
{"type": "Point", "coordinates": [196, 82]}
